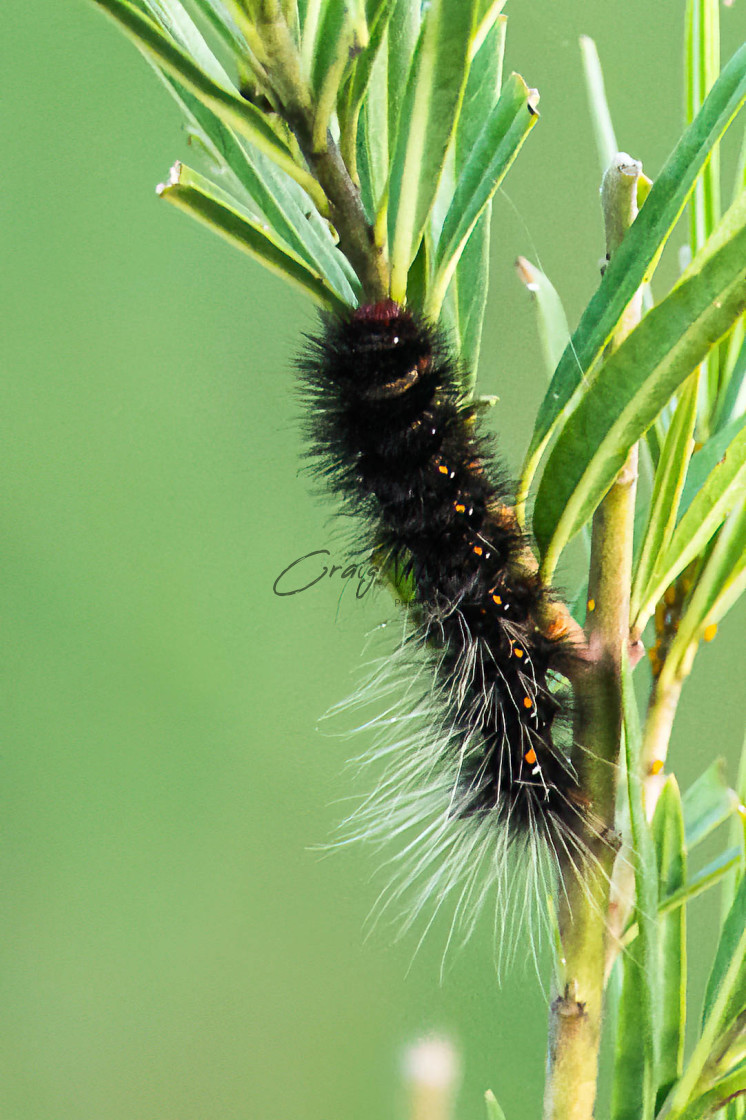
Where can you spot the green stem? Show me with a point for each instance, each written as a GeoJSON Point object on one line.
{"type": "Point", "coordinates": [356, 235]}
{"type": "Point", "coordinates": [583, 903]}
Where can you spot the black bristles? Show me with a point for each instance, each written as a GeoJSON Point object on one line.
{"type": "Point", "coordinates": [393, 437]}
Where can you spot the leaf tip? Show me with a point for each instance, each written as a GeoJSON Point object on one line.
{"type": "Point", "coordinates": [526, 274]}
{"type": "Point", "coordinates": [173, 179]}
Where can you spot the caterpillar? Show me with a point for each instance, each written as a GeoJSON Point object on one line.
{"type": "Point", "coordinates": [479, 768]}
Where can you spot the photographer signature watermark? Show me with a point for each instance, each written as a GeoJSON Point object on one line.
{"type": "Point", "coordinates": [308, 571]}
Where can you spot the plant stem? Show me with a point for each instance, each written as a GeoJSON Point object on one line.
{"type": "Point", "coordinates": [664, 699]}
{"type": "Point", "coordinates": [356, 234]}
{"type": "Point", "coordinates": [583, 902]}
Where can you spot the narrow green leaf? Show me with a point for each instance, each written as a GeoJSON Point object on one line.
{"type": "Point", "coordinates": [487, 17]}
{"type": "Point", "coordinates": [737, 834]}
{"type": "Point", "coordinates": [419, 275]}
{"type": "Point", "coordinates": [707, 804]}
{"type": "Point", "coordinates": [739, 179]}
{"type": "Point", "coordinates": [551, 320]}
{"type": "Point", "coordinates": [469, 285]}
{"type": "Point", "coordinates": [714, 872]}
{"type": "Point", "coordinates": [630, 390]}
{"type": "Point", "coordinates": [258, 184]}
{"type": "Point", "coordinates": [709, 876]}
{"type": "Point", "coordinates": [428, 117]}
{"type": "Point", "coordinates": [635, 1071]}
{"type": "Point", "coordinates": [722, 490]}
{"type": "Point", "coordinates": [725, 995]}
{"type": "Point", "coordinates": [333, 38]}
{"type": "Point", "coordinates": [403, 33]}
{"type": "Point", "coordinates": [494, 151]}
{"type": "Point", "coordinates": [729, 227]}
{"type": "Point", "coordinates": [200, 198]}
{"type": "Point", "coordinates": [358, 80]}
{"type": "Point", "coordinates": [719, 585]}
{"type": "Point", "coordinates": [664, 502]}
{"type": "Point", "coordinates": [668, 836]}
{"type": "Point", "coordinates": [336, 42]}
{"type": "Point", "coordinates": [720, 1094]}
{"type": "Point", "coordinates": [494, 1112]}
{"type": "Point", "coordinates": [176, 22]}
{"type": "Point", "coordinates": [725, 998]}
{"type": "Point", "coordinates": [635, 259]}
{"type": "Point", "coordinates": [704, 461]}
{"type": "Point", "coordinates": [466, 298]}
{"type": "Point", "coordinates": [292, 17]}
{"type": "Point", "coordinates": [221, 20]}
{"type": "Point", "coordinates": [372, 155]}
{"type": "Point", "coordinates": [233, 110]}
{"type": "Point", "coordinates": [732, 403]}
{"type": "Point", "coordinates": [603, 129]}
{"type": "Point", "coordinates": [702, 57]}
{"type": "Point", "coordinates": [482, 91]}
{"type": "Point", "coordinates": [309, 14]}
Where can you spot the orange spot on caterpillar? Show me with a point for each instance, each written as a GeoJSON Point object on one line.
{"type": "Point", "coordinates": [528, 702]}
{"type": "Point", "coordinates": [478, 550]}
{"type": "Point", "coordinates": [558, 629]}
{"type": "Point", "coordinates": [710, 631]}
{"type": "Point", "coordinates": [518, 652]}
{"type": "Point", "coordinates": [530, 756]}
{"type": "Point", "coordinates": [460, 508]}
{"type": "Point", "coordinates": [591, 606]}
{"type": "Point", "coordinates": [656, 767]}
{"type": "Point", "coordinates": [443, 468]}
{"type": "Point", "coordinates": [497, 600]}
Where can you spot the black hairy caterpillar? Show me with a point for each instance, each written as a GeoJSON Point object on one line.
{"type": "Point", "coordinates": [478, 770]}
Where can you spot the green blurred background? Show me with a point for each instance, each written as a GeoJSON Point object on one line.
{"type": "Point", "coordinates": [172, 945]}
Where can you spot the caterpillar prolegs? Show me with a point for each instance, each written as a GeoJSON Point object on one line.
{"type": "Point", "coordinates": [477, 767]}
